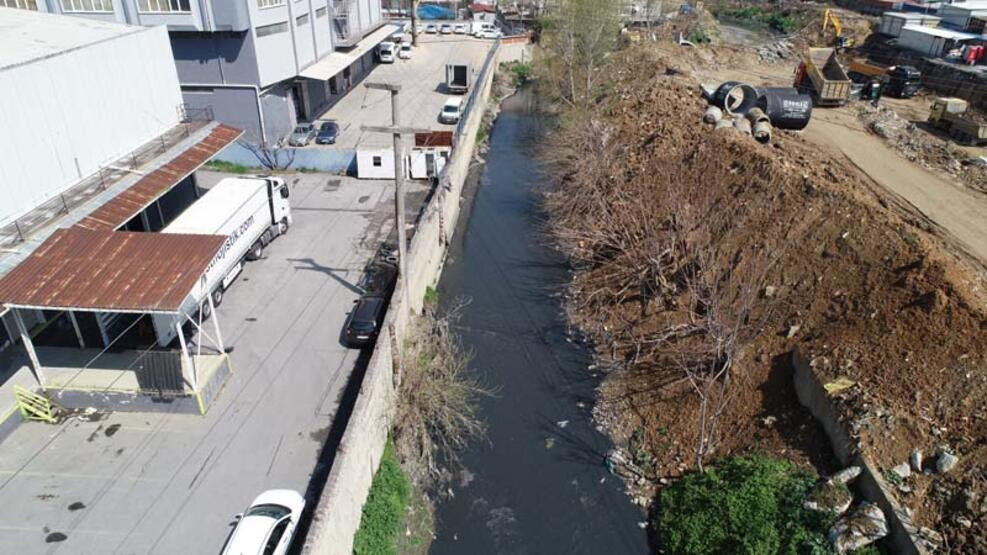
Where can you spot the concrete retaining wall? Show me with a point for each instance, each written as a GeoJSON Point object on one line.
{"type": "Point", "coordinates": [870, 483]}
{"type": "Point", "coordinates": [337, 515]}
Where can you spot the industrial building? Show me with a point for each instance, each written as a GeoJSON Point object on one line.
{"type": "Point", "coordinates": [253, 62]}
{"type": "Point", "coordinates": [933, 41]}
{"type": "Point", "coordinates": [100, 153]}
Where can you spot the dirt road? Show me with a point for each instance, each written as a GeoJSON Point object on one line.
{"type": "Point", "coordinates": [957, 210]}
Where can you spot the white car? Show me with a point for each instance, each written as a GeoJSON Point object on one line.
{"type": "Point", "coordinates": [268, 525]}
{"type": "Point", "coordinates": [405, 51]}
{"type": "Point", "coordinates": [490, 34]}
{"type": "Point", "coordinates": [446, 29]}
{"type": "Point", "coordinates": [432, 28]}
{"type": "Point", "coordinates": [460, 29]}
{"type": "Point", "coordinates": [452, 110]}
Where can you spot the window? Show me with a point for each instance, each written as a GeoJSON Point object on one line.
{"type": "Point", "coordinates": [87, 5]}
{"type": "Point", "coordinates": [272, 29]}
{"type": "Point", "coordinates": [22, 4]}
{"type": "Point", "coordinates": [269, 3]}
{"type": "Point", "coordinates": [321, 12]}
{"type": "Point", "coordinates": [378, 162]}
{"type": "Point", "coordinates": [275, 539]}
{"type": "Point", "coordinates": [301, 20]}
{"type": "Point", "coordinates": [163, 6]}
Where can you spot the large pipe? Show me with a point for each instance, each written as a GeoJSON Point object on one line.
{"type": "Point", "coordinates": [757, 115]}
{"type": "Point", "coordinates": [786, 107]}
{"type": "Point", "coordinates": [713, 115]}
{"type": "Point", "coordinates": [740, 122]}
{"type": "Point", "coordinates": [735, 98]}
{"type": "Point", "coordinates": [723, 124]}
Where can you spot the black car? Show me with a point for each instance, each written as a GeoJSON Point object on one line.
{"type": "Point", "coordinates": [365, 320]}
{"type": "Point", "coordinates": [328, 132]}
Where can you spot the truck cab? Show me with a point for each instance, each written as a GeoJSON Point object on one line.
{"type": "Point", "coordinates": [904, 81]}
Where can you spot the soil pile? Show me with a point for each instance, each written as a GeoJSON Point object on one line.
{"type": "Point", "coordinates": [702, 253]}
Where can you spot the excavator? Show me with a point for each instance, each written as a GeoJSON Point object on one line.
{"type": "Point", "coordinates": [840, 41]}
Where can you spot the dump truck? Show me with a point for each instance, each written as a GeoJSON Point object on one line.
{"type": "Point", "coordinates": [821, 76]}
{"type": "Point", "coordinates": [900, 81]}
{"type": "Point", "coordinates": [250, 212]}
{"type": "Point", "coordinates": [950, 115]}
{"type": "Point", "coordinates": [459, 78]}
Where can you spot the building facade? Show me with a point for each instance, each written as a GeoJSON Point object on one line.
{"type": "Point", "coordinates": [243, 58]}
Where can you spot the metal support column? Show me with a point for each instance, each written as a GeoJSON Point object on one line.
{"type": "Point", "coordinates": [186, 359]}
{"type": "Point", "coordinates": [215, 325]}
{"type": "Point", "coordinates": [78, 332]}
{"type": "Point", "coordinates": [29, 347]}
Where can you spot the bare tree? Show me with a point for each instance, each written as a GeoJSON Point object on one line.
{"type": "Point", "coordinates": [272, 157]}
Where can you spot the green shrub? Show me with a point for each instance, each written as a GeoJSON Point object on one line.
{"type": "Point", "coordinates": [384, 510]}
{"type": "Point", "coordinates": [521, 72]}
{"type": "Point", "coordinates": [231, 167]}
{"type": "Point", "coordinates": [742, 505]}
{"type": "Point", "coordinates": [431, 297]}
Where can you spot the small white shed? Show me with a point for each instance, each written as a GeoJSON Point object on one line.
{"type": "Point", "coordinates": [932, 41]}
{"type": "Point", "coordinates": [893, 22]}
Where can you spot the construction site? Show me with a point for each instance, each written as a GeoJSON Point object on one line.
{"type": "Point", "coordinates": [781, 261]}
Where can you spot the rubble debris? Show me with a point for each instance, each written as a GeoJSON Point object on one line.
{"type": "Point", "coordinates": [915, 459]}
{"type": "Point", "coordinates": [846, 475]}
{"type": "Point", "coordinates": [946, 461]}
{"type": "Point", "coordinates": [863, 526]}
{"type": "Point", "coordinates": [902, 471]}
{"type": "Point", "coordinates": [829, 496]}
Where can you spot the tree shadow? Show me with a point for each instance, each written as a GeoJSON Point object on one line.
{"type": "Point", "coordinates": [311, 265]}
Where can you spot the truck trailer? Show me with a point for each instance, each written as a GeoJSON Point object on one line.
{"type": "Point", "coordinates": [822, 76]}
{"type": "Point", "coordinates": [250, 212]}
{"type": "Point", "coordinates": [951, 115]}
{"type": "Point", "coordinates": [459, 78]}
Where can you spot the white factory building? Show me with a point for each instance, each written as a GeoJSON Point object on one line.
{"type": "Point", "coordinates": [77, 94]}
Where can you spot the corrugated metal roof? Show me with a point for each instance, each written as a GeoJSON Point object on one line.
{"type": "Point", "coordinates": [149, 188]}
{"type": "Point", "coordinates": [110, 270]}
{"type": "Point", "coordinates": [434, 138]}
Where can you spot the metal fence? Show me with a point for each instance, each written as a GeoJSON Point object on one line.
{"type": "Point", "coordinates": [475, 92]}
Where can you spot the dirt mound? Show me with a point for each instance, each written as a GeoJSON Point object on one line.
{"type": "Point", "coordinates": [703, 253]}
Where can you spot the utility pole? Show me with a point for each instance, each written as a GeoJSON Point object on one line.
{"type": "Point", "coordinates": [414, 22]}
{"type": "Point", "coordinates": [396, 131]}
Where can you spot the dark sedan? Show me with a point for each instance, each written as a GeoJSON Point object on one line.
{"type": "Point", "coordinates": [365, 320]}
{"type": "Point", "coordinates": [328, 132]}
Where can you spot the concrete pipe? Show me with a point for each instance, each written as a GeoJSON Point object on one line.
{"type": "Point", "coordinates": [713, 115]}
{"type": "Point", "coordinates": [740, 122]}
{"type": "Point", "coordinates": [724, 123]}
{"type": "Point", "coordinates": [762, 132]}
{"type": "Point", "coordinates": [740, 99]}
{"type": "Point", "coordinates": [756, 116]}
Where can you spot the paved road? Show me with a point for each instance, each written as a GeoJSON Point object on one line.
{"type": "Point", "coordinates": [422, 78]}
{"type": "Point", "coordinates": [169, 483]}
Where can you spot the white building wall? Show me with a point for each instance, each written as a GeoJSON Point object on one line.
{"type": "Point", "coordinates": [66, 115]}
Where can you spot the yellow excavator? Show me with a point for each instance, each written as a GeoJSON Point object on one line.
{"type": "Point", "coordinates": [840, 41]}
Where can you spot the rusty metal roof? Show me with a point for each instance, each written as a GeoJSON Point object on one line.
{"type": "Point", "coordinates": [121, 271]}
{"type": "Point", "coordinates": [434, 138]}
{"type": "Point", "coordinates": [121, 208]}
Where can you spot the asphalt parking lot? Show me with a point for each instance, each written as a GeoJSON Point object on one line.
{"type": "Point", "coordinates": [170, 483]}
{"type": "Point", "coordinates": [422, 79]}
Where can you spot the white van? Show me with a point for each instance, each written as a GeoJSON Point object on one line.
{"type": "Point", "coordinates": [482, 27]}
{"type": "Point", "coordinates": [386, 51]}
{"type": "Point", "coordinates": [451, 111]}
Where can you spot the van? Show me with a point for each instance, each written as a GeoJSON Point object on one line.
{"type": "Point", "coordinates": [386, 51]}
{"type": "Point", "coordinates": [451, 111]}
{"type": "Point", "coordinates": [482, 27]}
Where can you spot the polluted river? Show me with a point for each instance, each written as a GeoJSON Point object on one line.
{"type": "Point", "coordinates": [537, 483]}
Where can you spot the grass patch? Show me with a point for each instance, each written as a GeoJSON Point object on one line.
{"type": "Point", "coordinates": [417, 527]}
{"type": "Point", "coordinates": [431, 297]}
{"type": "Point", "coordinates": [521, 72]}
{"type": "Point", "coordinates": [749, 504]}
{"type": "Point", "coordinates": [384, 510]}
{"type": "Point", "coordinates": [781, 21]}
{"type": "Point", "coordinates": [232, 167]}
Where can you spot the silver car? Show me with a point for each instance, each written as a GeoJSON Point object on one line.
{"type": "Point", "coordinates": [302, 135]}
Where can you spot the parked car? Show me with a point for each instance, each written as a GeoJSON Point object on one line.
{"type": "Point", "coordinates": [364, 322]}
{"type": "Point", "coordinates": [328, 133]}
{"type": "Point", "coordinates": [268, 525]}
{"type": "Point", "coordinates": [405, 52]}
{"type": "Point", "coordinates": [446, 29]}
{"type": "Point", "coordinates": [386, 51]}
{"type": "Point", "coordinates": [490, 34]}
{"type": "Point", "coordinates": [432, 28]}
{"type": "Point", "coordinates": [460, 29]}
{"type": "Point", "coordinates": [302, 135]}
{"type": "Point", "coordinates": [451, 111]}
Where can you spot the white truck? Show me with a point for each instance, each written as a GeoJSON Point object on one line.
{"type": "Point", "coordinates": [459, 78]}
{"type": "Point", "coordinates": [250, 212]}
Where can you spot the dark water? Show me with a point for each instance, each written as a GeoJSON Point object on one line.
{"type": "Point", "coordinates": [539, 484]}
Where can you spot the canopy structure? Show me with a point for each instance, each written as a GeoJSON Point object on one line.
{"type": "Point", "coordinates": [110, 271]}
{"type": "Point", "coordinates": [331, 65]}
{"type": "Point", "coordinates": [149, 188]}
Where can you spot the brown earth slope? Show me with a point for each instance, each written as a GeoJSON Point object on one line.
{"type": "Point", "coordinates": [821, 264]}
